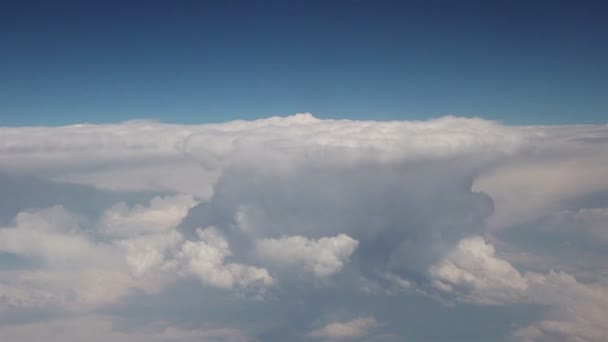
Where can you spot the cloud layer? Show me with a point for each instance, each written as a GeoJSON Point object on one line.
{"type": "Point", "coordinates": [296, 228]}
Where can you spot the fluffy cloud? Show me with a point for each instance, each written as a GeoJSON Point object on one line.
{"type": "Point", "coordinates": [51, 234]}
{"type": "Point", "coordinates": [133, 248]}
{"type": "Point", "coordinates": [206, 259]}
{"type": "Point", "coordinates": [161, 215]}
{"type": "Point", "coordinates": [323, 257]}
{"type": "Point", "coordinates": [358, 327]}
{"type": "Point", "coordinates": [473, 272]}
{"type": "Point", "coordinates": [149, 252]}
{"type": "Point", "coordinates": [77, 271]}
{"type": "Point", "coordinates": [156, 221]}
{"type": "Point", "coordinates": [70, 152]}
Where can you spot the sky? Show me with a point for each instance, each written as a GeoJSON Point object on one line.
{"type": "Point", "coordinates": [303, 171]}
{"type": "Point", "coordinates": [519, 62]}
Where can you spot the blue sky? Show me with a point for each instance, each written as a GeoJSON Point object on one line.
{"type": "Point", "coordinates": [300, 227]}
{"type": "Point", "coordinates": [520, 62]}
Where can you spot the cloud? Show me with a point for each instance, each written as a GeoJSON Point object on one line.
{"type": "Point", "coordinates": [206, 259]}
{"type": "Point", "coordinates": [135, 155]}
{"type": "Point", "coordinates": [473, 273]}
{"type": "Point", "coordinates": [149, 252]}
{"type": "Point", "coordinates": [561, 169]}
{"type": "Point", "coordinates": [189, 224]}
{"type": "Point", "coordinates": [51, 234]}
{"type": "Point", "coordinates": [73, 271]}
{"type": "Point", "coordinates": [356, 328]}
{"type": "Point", "coordinates": [323, 257]}
{"type": "Point", "coordinates": [132, 248]}
{"type": "Point", "coordinates": [77, 271]}
{"type": "Point", "coordinates": [161, 215]}
{"type": "Point", "coordinates": [100, 328]}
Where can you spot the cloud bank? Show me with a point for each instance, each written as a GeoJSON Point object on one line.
{"type": "Point", "coordinates": [297, 228]}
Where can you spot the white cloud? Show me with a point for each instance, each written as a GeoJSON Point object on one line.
{"type": "Point", "coordinates": [206, 259]}
{"type": "Point", "coordinates": [323, 257]}
{"type": "Point", "coordinates": [102, 328]}
{"type": "Point", "coordinates": [300, 195]}
{"type": "Point", "coordinates": [472, 272]}
{"type": "Point", "coordinates": [75, 290]}
{"type": "Point", "coordinates": [78, 272]}
{"type": "Point", "coordinates": [356, 328]}
{"type": "Point", "coordinates": [473, 268]}
{"type": "Point", "coordinates": [563, 167]}
{"type": "Point", "coordinates": [149, 252]}
{"type": "Point", "coordinates": [81, 150]}
{"type": "Point", "coordinates": [141, 249]}
{"type": "Point", "coordinates": [167, 175]}
{"type": "Point", "coordinates": [52, 234]}
{"type": "Point", "coordinates": [161, 215]}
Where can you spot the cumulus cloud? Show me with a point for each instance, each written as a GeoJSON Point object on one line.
{"type": "Point", "coordinates": [134, 248]}
{"type": "Point", "coordinates": [356, 328]}
{"type": "Point", "coordinates": [206, 259]}
{"type": "Point", "coordinates": [162, 214]}
{"type": "Point", "coordinates": [323, 257]}
{"type": "Point", "coordinates": [472, 272]}
{"type": "Point", "coordinates": [77, 271]}
{"type": "Point", "coordinates": [149, 252]}
{"type": "Point", "coordinates": [52, 234]}
{"type": "Point", "coordinates": [181, 220]}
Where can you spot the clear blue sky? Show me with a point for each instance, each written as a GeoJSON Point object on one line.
{"type": "Point", "coordinates": [521, 62]}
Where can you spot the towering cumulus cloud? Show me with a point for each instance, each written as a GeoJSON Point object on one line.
{"type": "Point", "coordinates": [295, 228]}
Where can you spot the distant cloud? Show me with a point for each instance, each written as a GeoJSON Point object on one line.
{"type": "Point", "coordinates": [262, 230]}
{"type": "Point", "coordinates": [358, 327]}
{"type": "Point", "coordinates": [472, 272]}
{"type": "Point", "coordinates": [205, 259]}
{"type": "Point", "coordinates": [323, 257]}
{"type": "Point", "coordinates": [162, 215]}
{"type": "Point", "coordinates": [100, 328]}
